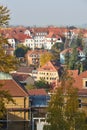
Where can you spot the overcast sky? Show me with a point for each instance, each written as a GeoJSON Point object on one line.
{"type": "Point", "coordinates": [47, 12]}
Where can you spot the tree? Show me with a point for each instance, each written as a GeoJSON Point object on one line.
{"type": "Point", "coordinates": [77, 41]}
{"type": "Point", "coordinates": [31, 86]}
{"type": "Point", "coordinates": [7, 62]}
{"type": "Point", "coordinates": [58, 45]}
{"type": "Point", "coordinates": [56, 49]}
{"type": "Point", "coordinates": [45, 58]}
{"type": "Point", "coordinates": [84, 61]}
{"type": "Point", "coordinates": [67, 58]}
{"type": "Point", "coordinates": [63, 112]}
{"type": "Point", "coordinates": [74, 60]}
{"type": "Point", "coordinates": [5, 97]}
{"type": "Point", "coordinates": [4, 16]}
{"type": "Point", "coordinates": [21, 51]}
{"type": "Point", "coordinates": [43, 84]}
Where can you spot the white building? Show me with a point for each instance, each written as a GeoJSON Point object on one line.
{"type": "Point", "coordinates": [39, 39]}
{"type": "Point", "coordinates": [50, 40]}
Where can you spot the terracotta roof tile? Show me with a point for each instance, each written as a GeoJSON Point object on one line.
{"type": "Point", "coordinates": [73, 73]}
{"type": "Point", "coordinates": [37, 92]}
{"type": "Point", "coordinates": [26, 70]}
{"type": "Point", "coordinates": [13, 88]}
{"type": "Point", "coordinates": [79, 80]}
{"type": "Point", "coordinates": [20, 77]}
{"type": "Point", "coordinates": [48, 67]}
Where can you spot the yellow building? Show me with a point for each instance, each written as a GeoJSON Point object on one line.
{"type": "Point", "coordinates": [33, 56]}
{"type": "Point", "coordinates": [49, 73]}
{"type": "Point", "coordinates": [18, 112]}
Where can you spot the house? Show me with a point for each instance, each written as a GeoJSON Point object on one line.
{"type": "Point", "coordinates": [27, 70]}
{"type": "Point", "coordinates": [50, 40]}
{"type": "Point", "coordinates": [39, 38]}
{"type": "Point", "coordinates": [23, 79]}
{"type": "Point", "coordinates": [18, 112]}
{"type": "Point", "coordinates": [73, 73]}
{"type": "Point", "coordinates": [81, 84]}
{"type": "Point", "coordinates": [33, 57]}
{"type": "Point", "coordinates": [29, 42]}
{"type": "Point", "coordinates": [49, 72]}
{"type": "Point", "coordinates": [81, 54]}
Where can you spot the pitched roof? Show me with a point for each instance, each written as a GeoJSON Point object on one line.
{"type": "Point", "coordinates": [73, 73]}
{"type": "Point", "coordinates": [20, 77]}
{"type": "Point", "coordinates": [79, 80]}
{"type": "Point", "coordinates": [66, 51]}
{"type": "Point", "coordinates": [25, 69]}
{"type": "Point", "coordinates": [48, 67]}
{"type": "Point", "coordinates": [13, 88]}
{"type": "Point", "coordinates": [37, 92]}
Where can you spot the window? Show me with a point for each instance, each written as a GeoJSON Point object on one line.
{"type": "Point", "coordinates": [85, 83]}
{"type": "Point", "coordinates": [58, 39]}
{"type": "Point", "coordinates": [80, 104]}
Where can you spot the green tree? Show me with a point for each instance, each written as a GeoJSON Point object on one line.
{"type": "Point", "coordinates": [74, 60]}
{"type": "Point", "coordinates": [84, 61]}
{"type": "Point", "coordinates": [67, 57]}
{"type": "Point", "coordinates": [58, 45]}
{"type": "Point", "coordinates": [4, 16]}
{"type": "Point", "coordinates": [7, 62]}
{"type": "Point", "coordinates": [78, 41]}
{"type": "Point", "coordinates": [43, 84]}
{"type": "Point", "coordinates": [63, 112]}
{"type": "Point", "coordinates": [56, 51]}
{"type": "Point", "coordinates": [21, 51]}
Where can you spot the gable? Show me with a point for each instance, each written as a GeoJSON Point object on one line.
{"type": "Point", "coordinates": [48, 66]}
{"type": "Point", "coordinates": [81, 80]}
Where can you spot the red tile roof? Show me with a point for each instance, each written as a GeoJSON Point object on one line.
{"type": "Point", "coordinates": [20, 77]}
{"type": "Point", "coordinates": [37, 92]}
{"type": "Point", "coordinates": [25, 70]}
{"type": "Point", "coordinates": [48, 67]}
{"type": "Point", "coordinates": [79, 80]}
{"type": "Point", "coordinates": [73, 73]}
{"type": "Point", "coordinates": [13, 88]}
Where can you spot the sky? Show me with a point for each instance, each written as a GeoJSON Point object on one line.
{"type": "Point", "coordinates": [46, 12]}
